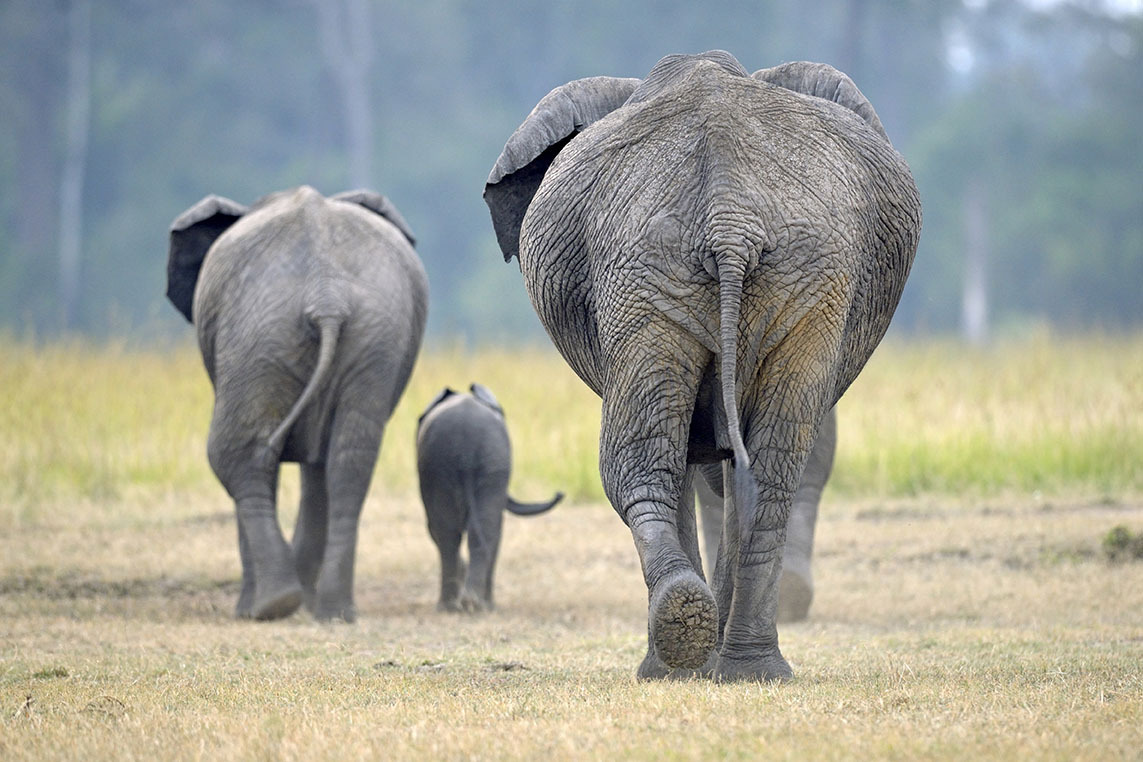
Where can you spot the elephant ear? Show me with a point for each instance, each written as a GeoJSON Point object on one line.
{"type": "Point", "coordinates": [557, 118]}
{"type": "Point", "coordinates": [485, 396]}
{"type": "Point", "coordinates": [378, 204]}
{"type": "Point", "coordinates": [443, 395]}
{"type": "Point", "coordinates": [192, 234]}
{"type": "Point", "coordinates": [823, 81]}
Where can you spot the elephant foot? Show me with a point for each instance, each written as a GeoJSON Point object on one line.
{"type": "Point", "coordinates": [277, 604]}
{"type": "Point", "coordinates": [771, 666]}
{"type": "Point", "coordinates": [683, 620]}
{"type": "Point", "coordinates": [653, 668]}
{"type": "Point", "coordinates": [245, 607]}
{"type": "Point", "coordinates": [795, 594]}
{"type": "Point", "coordinates": [471, 603]}
{"type": "Point", "coordinates": [331, 610]}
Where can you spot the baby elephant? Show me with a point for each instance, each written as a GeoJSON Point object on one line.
{"type": "Point", "coordinates": [464, 460]}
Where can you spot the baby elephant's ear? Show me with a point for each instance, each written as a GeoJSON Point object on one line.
{"type": "Point", "coordinates": [378, 204]}
{"type": "Point", "coordinates": [484, 394]}
{"type": "Point", "coordinates": [823, 81]}
{"type": "Point", "coordinates": [557, 118]}
{"type": "Point", "coordinates": [443, 395]}
{"type": "Point", "coordinates": [192, 234]}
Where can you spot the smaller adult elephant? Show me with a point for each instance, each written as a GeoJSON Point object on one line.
{"type": "Point", "coordinates": [310, 313]}
{"type": "Point", "coordinates": [796, 585]}
{"type": "Point", "coordinates": [464, 460]}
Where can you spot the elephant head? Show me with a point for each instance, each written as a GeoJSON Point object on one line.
{"type": "Point", "coordinates": [194, 231]}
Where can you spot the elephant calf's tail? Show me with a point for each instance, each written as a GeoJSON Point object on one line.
{"type": "Point", "coordinates": [731, 266]}
{"type": "Point", "coordinates": [329, 328]}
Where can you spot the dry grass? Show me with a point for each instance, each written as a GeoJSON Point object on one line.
{"type": "Point", "coordinates": [939, 631]}
{"type": "Point", "coordinates": [985, 624]}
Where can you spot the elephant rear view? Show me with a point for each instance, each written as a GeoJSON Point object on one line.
{"type": "Point", "coordinates": [464, 460]}
{"type": "Point", "coordinates": [716, 254]}
{"type": "Point", "coordinates": [309, 313]}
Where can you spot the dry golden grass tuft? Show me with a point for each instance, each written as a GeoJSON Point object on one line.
{"type": "Point", "coordinates": [986, 623]}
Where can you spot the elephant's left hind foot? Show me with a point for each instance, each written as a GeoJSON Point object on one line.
{"type": "Point", "coordinates": [683, 620]}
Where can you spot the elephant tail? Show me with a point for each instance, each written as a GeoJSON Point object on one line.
{"type": "Point", "coordinates": [329, 329]}
{"type": "Point", "coordinates": [731, 266]}
{"type": "Point", "coordinates": [531, 509]}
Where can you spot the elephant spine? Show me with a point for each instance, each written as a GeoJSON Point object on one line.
{"type": "Point", "coordinates": [329, 329]}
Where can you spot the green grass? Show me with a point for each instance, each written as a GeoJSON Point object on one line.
{"type": "Point", "coordinates": [1048, 416]}
{"type": "Point", "coordinates": [1052, 417]}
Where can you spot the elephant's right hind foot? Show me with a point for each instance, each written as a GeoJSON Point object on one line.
{"type": "Point", "coordinates": [278, 604]}
{"type": "Point", "coordinates": [684, 621]}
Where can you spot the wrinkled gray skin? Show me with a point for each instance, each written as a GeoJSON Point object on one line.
{"type": "Point", "coordinates": [716, 254]}
{"type": "Point", "coordinates": [464, 461]}
{"type": "Point", "coordinates": [796, 585]}
{"type": "Point", "coordinates": [309, 312]}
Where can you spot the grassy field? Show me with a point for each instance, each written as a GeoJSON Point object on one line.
{"type": "Point", "coordinates": [965, 605]}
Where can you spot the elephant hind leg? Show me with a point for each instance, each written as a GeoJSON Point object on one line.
{"type": "Point", "coordinates": [643, 450]}
{"type": "Point", "coordinates": [270, 588]}
{"type": "Point", "coordinates": [276, 592]}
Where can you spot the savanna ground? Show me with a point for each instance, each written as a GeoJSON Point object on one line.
{"type": "Point", "coordinates": [967, 605]}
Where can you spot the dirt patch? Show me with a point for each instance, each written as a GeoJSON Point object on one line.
{"type": "Point", "coordinates": [72, 584]}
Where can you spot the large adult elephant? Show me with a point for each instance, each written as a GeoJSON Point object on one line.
{"type": "Point", "coordinates": [716, 254]}
{"type": "Point", "coordinates": [309, 312]}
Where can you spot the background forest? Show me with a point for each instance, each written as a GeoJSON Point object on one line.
{"type": "Point", "coordinates": [1021, 121]}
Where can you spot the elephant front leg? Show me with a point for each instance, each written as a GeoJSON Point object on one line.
{"type": "Point", "coordinates": [311, 530]}
{"type": "Point", "coordinates": [352, 454]}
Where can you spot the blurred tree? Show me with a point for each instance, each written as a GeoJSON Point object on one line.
{"type": "Point", "coordinates": [1037, 107]}
{"type": "Point", "coordinates": [345, 27]}
{"type": "Point", "coordinates": [78, 109]}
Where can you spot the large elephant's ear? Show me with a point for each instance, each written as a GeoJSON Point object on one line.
{"type": "Point", "coordinates": [823, 81]}
{"type": "Point", "coordinates": [375, 202]}
{"type": "Point", "coordinates": [192, 234]}
{"type": "Point", "coordinates": [556, 119]}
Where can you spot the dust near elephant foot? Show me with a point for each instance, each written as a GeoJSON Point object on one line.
{"type": "Point", "coordinates": [684, 621]}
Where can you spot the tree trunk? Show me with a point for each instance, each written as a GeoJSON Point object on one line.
{"type": "Point", "coordinates": [345, 27]}
{"type": "Point", "coordinates": [974, 304]}
{"type": "Point", "coordinates": [75, 159]}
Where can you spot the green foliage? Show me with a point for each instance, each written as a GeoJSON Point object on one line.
{"type": "Point", "coordinates": [1121, 544]}
{"type": "Point", "coordinates": [1053, 417]}
{"type": "Point", "coordinates": [214, 97]}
